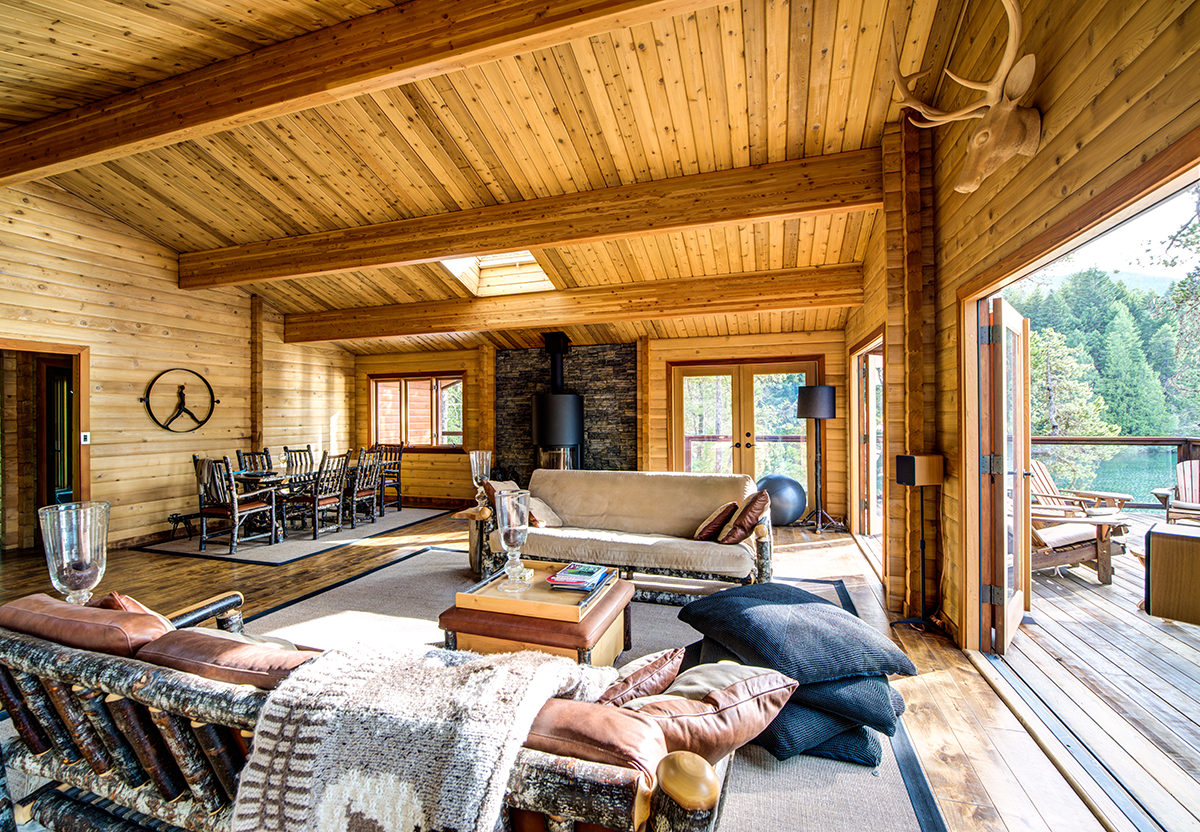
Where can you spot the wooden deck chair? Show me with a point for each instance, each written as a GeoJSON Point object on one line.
{"type": "Point", "coordinates": [1184, 503]}
{"type": "Point", "coordinates": [1048, 499]}
{"type": "Point", "coordinates": [1059, 541]}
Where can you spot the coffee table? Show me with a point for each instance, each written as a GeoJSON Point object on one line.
{"type": "Point", "coordinates": [591, 628]}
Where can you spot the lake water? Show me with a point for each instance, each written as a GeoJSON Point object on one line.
{"type": "Point", "coordinates": [1133, 470]}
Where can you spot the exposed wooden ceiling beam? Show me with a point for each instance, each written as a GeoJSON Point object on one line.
{"type": "Point", "coordinates": [821, 185]}
{"type": "Point", "coordinates": [822, 286]}
{"type": "Point", "coordinates": [419, 39]}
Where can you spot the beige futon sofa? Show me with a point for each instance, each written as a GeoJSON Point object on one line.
{"type": "Point", "coordinates": [640, 521]}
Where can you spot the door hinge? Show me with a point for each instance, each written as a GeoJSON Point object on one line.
{"type": "Point", "coordinates": [992, 595]}
{"type": "Point", "coordinates": [989, 334]}
{"type": "Point", "coordinates": [991, 464]}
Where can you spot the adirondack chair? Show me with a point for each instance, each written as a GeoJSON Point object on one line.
{"type": "Point", "coordinates": [1184, 502]}
{"type": "Point", "coordinates": [1049, 500]}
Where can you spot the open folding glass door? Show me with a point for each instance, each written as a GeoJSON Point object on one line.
{"type": "Point", "coordinates": [1004, 445]}
{"type": "Point", "coordinates": [869, 423]}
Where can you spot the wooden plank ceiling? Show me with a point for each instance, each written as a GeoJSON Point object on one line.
{"type": "Point", "coordinates": [711, 88]}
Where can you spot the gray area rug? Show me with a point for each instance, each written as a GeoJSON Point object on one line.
{"type": "Point", "coordinates": [399, 604]}
{"type": "Point", "coordinates": [297, 546]}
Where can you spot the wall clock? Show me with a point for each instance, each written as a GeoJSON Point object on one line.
{"type": "Point", "coordinates": [179, 400]}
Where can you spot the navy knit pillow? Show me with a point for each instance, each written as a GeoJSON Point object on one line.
{"type": "Point", "coordinates": [798, 728]}
{"type": "Point", "coordinates": [858, 745]}
{"type": "Point", "coordinates": [795, 632]}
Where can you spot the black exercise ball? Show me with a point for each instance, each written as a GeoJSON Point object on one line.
{"type": "Point", "coordinates": [787, 498]}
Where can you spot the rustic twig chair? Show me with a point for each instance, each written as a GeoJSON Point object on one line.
{"type": "Point", "coordinates": [1184, 502]}
{"type": "Point", "coordinates": [389, 476]}
{"type": "Point", "coordinates": [321, 496]}
{"type": "Point", "coordinates": [298, 456]}
{"type": "Point", "coordinates": [255, 460]}
{"type": "Point", "coordinates": [220, 499]}
{"type": "Point", "coordinates": [362, 488]}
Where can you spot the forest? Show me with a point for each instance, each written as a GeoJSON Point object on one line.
{"type": "Point", "coordinates": [1110, 360]}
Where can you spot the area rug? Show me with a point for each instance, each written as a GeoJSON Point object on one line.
{"type": "Point", "coordinates": [398, 604]}
{"type": "Point", "coordinates": [297, 546]}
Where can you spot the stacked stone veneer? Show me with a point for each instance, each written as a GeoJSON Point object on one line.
{"type": "Point", "coordinates": [606, 377]}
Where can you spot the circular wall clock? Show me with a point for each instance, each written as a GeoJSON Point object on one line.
{"type": "Point", "coordinates": [179, 400]}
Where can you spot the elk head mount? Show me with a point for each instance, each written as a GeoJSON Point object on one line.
{"type": "Point", "coordinates": [1005, 129]}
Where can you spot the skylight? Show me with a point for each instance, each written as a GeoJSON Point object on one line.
{"type": "Point", "coordinates": [508, 273]}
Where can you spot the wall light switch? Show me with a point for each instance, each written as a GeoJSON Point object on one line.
{"type": "Point", "coordinates": [85, 438]}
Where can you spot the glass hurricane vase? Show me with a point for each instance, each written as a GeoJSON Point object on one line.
{"type": "Point", "coordinates": [481, 469]}
{"type": "Point", "coordinates": [512, 521]}
{"type": "Point", "coordinates": [76, 539]}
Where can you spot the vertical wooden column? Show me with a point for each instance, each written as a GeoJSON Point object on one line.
{"type": "Point", "coordinates": [487, 398]}
{"type": "Point", "coordinates": [256, 372]}
{"type": "Point", "coordinates": [907, 360]}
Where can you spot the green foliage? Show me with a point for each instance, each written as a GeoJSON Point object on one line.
{"type": "Point", "coordinates": [1133, 393]}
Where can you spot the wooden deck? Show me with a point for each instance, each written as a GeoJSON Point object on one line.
{"type": "Point", "coordinates": [1125, 684]}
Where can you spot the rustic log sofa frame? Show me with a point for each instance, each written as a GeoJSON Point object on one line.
{"type": "Point", "coordinates": [168, 746]}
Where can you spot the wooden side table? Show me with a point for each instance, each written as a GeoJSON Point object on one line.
{"type": "Point", "coordinates": [1173, 572]}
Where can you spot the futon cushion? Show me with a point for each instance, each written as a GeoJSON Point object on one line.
{"type": "Point", "coordinates": [1067, 534]}
{"type": "Point", "coordinates": [712, 525]}
{"type": "Point", "coordinates": [599, 734]}
{"type": "Point", "coordinates": [614, 548]}
{"type": "Point", "coordinates": [713, 709]}
{"type": "Point", "coordinates": [796, 633]}
{"type": "Point", "coordinates": [749, 512]}
{"type": "Point", "coordinates": [115, 632]}
{"type": "Point", "coordinates": [646, 676]}
{"type": "Point", "coordinates": [225, 657]}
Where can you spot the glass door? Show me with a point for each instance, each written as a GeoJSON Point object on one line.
{"type": "Point", "coordinates": [870, 440]}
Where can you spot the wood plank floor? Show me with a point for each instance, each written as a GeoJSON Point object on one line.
{"type": "Point", "coordinates": [1125, 683]}
{"type": "Point", "coordinates": [985, 770]}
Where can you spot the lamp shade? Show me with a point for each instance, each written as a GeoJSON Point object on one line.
{"type": "Point", "coordinates": [815, 402]}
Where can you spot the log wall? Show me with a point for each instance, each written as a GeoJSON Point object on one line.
{"type": "Point", "coordinates": [1117, 84]}
{"type": "Point", "coordinates": [72, 275]}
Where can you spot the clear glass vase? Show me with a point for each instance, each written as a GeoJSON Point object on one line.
{"type": "Point", "coordinates": [512, 521]}
{"type": "Point", "coordinates": [481, 469]}
{"type": "Point", "coordinates": [76, 539]}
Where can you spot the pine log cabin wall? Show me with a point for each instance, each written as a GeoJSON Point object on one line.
{"type": "Point", "coordinates": [436, 478]}
{"type": "Point", "coordinates": [74, 275]}
{"type": "Point", "coordinates": [1118, 86]}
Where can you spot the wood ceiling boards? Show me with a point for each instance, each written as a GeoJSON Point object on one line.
{"type": "Point", "coordinates": [715, 88]}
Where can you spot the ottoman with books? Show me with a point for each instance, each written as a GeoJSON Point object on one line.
{"type": "Point", "coordinates": [592, 627]}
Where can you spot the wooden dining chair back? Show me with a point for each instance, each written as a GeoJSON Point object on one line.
{"type": "Point", "coordinates": [362, 486]}
{"type": "Point", "coordinates": [250, 514]}
{"type": "Point", "coordinates": [298, 456]}
{"type": "Point", "coordinates": [321, 497]}
{"type": "Point", "coordinates": [389, 476]}
{"type": "Point", "coordinates": [254, 460]}
{"type": "Point", "coordinates": [1184, 504]}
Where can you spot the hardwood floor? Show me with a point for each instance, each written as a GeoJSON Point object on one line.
{"type": "Point", "coordinates": [985, 770]}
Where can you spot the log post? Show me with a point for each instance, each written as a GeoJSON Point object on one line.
{"type": "Point", "coordinates": [26, 726]}
{"type": "Point", "coordinates": [193, 765]}
{"type": "Point", "coordinates": [147, 744]}
{"type": "Point", "coordinates": [39, 705]}
{"type": "Point", "coordinates": [59, 812]}
{"type": "Point", "coordinates": [687, 794]}
{"type": "Point", "coordinates": [224, 751]}
{"type": "Point", "coordinates": [8, 822]}
{"type": "Point", "coordinates": [78, 726]}
{"type": "Point", "coordinates": [124, 761]}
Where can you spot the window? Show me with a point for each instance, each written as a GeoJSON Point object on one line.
{"type": "Point", "coordinates": [424, 411]}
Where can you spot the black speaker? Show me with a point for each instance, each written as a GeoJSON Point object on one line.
{"type": "Point", "coordinates": [925, 469]}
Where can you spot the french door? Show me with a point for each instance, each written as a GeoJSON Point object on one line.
{"type": "Point", "coordinates": [741, 419]}
{"type": "Point", "coordinates": [1004, 445]}
{"type": "Point", "coordinates": [869, 366]}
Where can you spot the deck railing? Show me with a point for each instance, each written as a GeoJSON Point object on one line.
{"type": "Point", "coordinates": [1141, 464]}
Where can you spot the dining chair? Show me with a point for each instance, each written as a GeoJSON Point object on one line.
{"type": "Point", "coordinates": [362, 486]}
{"type": "Point", "coordinates": [389, 476]}
{"type": "Point", "coordinates": [298, 456]}
{"type": "Point", "coordinates": [254, 460]}
{"type": "Point", "coordinates": [220, 499]}
{"type": "Point", "coordinates": [321, 496]}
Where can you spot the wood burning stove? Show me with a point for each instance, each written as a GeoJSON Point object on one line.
{"type": "Point", "coordinates": [557, 415]}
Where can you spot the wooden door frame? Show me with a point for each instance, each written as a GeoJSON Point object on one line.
{"type": "Point", "coordinates": [81, 479]}
{"type": "Point", "coordinates": [1133, 193]}
{"type": "Point", "coordinates": [855, 393]}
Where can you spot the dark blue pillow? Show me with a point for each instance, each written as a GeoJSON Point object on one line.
{"type": "Point", "coordinates": [858, 745]}
{"type": "Point", "coordinates": [797, 728]}
{"type": "Point", "coordinates": [795, 632]}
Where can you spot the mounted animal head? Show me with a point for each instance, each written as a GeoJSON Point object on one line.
{"type": "Point", "coordinates": [1005, 129]}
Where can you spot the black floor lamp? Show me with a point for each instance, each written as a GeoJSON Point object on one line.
{"type": "Point", "coordinates": [816, 403]}
{"type": "Point", "coordinates": [923, 470]}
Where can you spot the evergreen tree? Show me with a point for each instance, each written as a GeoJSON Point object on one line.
{"type": "Point", "coordinates": [1132, 391]}
{"type": "Point", "coordinates": [1091, 295]}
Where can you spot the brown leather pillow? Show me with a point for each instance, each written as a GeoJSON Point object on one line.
{"type": "Point", "coordinates": [712, 525]}
{"type": "Point", "coordinates": [742, 524]}
{"type": "Point", "coordinates": [644, 678]}
{"type": "Point", "coordinates": [225, 657]}
{"type": "Point", "coordinates": [713, 709]}
{"type": "Point", "coordinates": [115, 632]}
{"type": "Point", "coordinates": [598, 734]}
{"type": "Point", "coordinates": [117, 601]}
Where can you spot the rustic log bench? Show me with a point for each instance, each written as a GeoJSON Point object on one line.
{"type": "Point", "coordinates": [167, 746]}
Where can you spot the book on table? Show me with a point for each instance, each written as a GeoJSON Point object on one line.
{"type": "Point", "coordinates": [582, 577]}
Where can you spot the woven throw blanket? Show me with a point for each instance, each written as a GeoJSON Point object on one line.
{"type": "Point", "coordinates": [413, 740]}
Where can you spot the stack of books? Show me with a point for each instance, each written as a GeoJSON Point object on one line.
{"type": "Point", "coordinates": [580, 577]}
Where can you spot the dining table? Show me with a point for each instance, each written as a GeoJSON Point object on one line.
{"type": "Point", "coordinates": [291, 477]}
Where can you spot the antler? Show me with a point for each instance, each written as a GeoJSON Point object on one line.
{"type": "Point", "coordinates": [993, 89]}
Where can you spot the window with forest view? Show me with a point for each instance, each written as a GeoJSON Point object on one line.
{"type": "Point", "coordinates": [1115, 348]}
{"type": "Point", "coordinates": [425, 411]}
